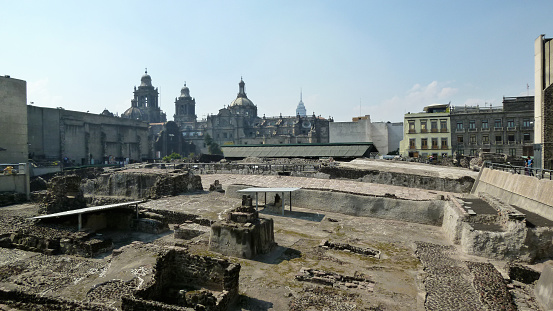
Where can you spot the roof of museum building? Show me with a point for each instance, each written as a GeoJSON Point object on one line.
{"type": "Point", "coordinates": [336, 150]}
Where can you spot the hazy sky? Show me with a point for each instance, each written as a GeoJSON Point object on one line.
{"type": "Point", "coordinates": [383, 58]}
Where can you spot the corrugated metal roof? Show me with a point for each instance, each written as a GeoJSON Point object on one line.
{"type": "Point", "coordinates": [88, 210]}
{"type": "Point", "coordinates": [269, 189]}
{"type": "Point", "coordinates": [299, 151]}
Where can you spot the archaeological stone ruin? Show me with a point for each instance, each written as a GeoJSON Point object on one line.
{"type": "Point", "coordinates": [358, 237]}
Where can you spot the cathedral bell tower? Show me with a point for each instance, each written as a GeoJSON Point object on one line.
{"type": "Point", "coordinates": [185, 108]}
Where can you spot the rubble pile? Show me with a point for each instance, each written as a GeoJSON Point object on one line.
{"type": "Point", "coordinates": [140, 185]}
{"type": "Point", "coordinates": [25, 234]}
{"type": "Point", "coordinates": [64, 193]}
{"type": "Point", "coordinates": [491, 286]}
{"type": "Point", "coordinates": [447, 282]}
{"type": "Point", "coordinates": [354, 249]}
{"type": "Point", "coordinates": [335, 280]}
{"type": "Point", "coordinates": [325, 298]}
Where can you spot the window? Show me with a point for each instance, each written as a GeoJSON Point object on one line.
{"type": "Point", "coordinates": [485, 124]}
{"type": "Point", "coordinates": [444, 143]}
{"type": "Point", "coordinates": [459, 125]}
{"type": "Point", "coordinates": [511, 138]}
{"type": "Point", "coordinates": [472, 124]}
{"type": "Point", "coordinates": [424, 129]}
{"type": "Point", "coordinates": [460, 139]}
{"type": "Point", "coordinates": [472, 152]}
{"type": "Point", "coordinates": [434, 143]}
{"type": "Point", "coordinates": [412, 143]}
{"type": "Point", "coordinates": [473, 139]}
{"type": "Point", "coordinates": [424, 143]}
{"type": "Point", "coordinates": [461, 151]}
{"type": "Point", "coordinates": [443, 125]}
{"type": "Point", "coordinates": [511, 123]}
{"type": "Point", "coordinates": [513, 151]}
{"type": "Point", "coordinates": [411, 126]}
{"type": "Point", "coordinates": [527, 123]}
{"type": "Point", "coordinates": [497, 123]}
{"type": "Point", "coordinates": [498, 150]}
{"type": "Point", "coordinates": [526, 137]}
{"type": "Point", "coordinates": [434, 125]}
{"type": "Point", "coordinates": [498, 138]}
{"type": "Point", "coordinates": [485, 139]}
{"type": "Point", "coordinates": [224, 135]}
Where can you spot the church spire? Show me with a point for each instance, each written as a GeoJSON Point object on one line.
{"type": "Point", "coordinates": [242, 89]}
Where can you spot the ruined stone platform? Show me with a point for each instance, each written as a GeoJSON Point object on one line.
{"type": "Point", "coordinates": [347, 186]}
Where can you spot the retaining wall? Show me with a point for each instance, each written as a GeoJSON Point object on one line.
{"type": "Point", "coordinates": [527, 192]}
{"type": "Point", "coordinates": [423, 212]}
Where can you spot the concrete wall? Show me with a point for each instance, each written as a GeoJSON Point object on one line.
{"type": "Point", "coordinates": [423, 212]}
{"type": "Point", "coordinates": [13, 120]}
{"type": "Point", "coordinates": [58, 133]}
{"type": "Point", "coordinates": [350, 132]}
{"type": "Point", "coordinates": [527, 192]}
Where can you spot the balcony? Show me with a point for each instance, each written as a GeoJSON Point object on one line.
{"type": "Point", "coordinates": [412, 147]}
{"type": "Point", "coordinates": [434, 130]}
{"type": "Point", "coordinates": [459, 130]}
{"type": "Point", "coordinates": [412, 131]}
{"type": "Point", "coordinates": [443, 130]}
{"type": "Point", "coordinates": [424, 147]}
{"type": "Point", "coordinates": [498, 128]}
{"type": "Point", "coordinates": [435, 147]}
{"type": "Point", "coordinates": [424, 131]}
{"type": "Point", "coordinates": [485, 129]}
{"type": "Point", "coordinates": [445, 147]}
{"type": "Point", "coordinates": [473, 129]}
{"type": "Point", "coordinates": [512, 129]}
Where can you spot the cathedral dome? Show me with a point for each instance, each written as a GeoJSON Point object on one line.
{"type": "Point", "coordinates": [146, 80]}
{"type": "Point", "coordinates": [184, 92]}
{"type": "Point", "coordinates": [132, 113]}
{"type": "Point", "coordinates": [242, 98]}
{"type": "Point", "coordinates": [242, 101]}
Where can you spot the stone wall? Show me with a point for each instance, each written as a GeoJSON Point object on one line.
{"type": "Point", "coordinates": [244, 240]}
{"type": "Point", "coordinates": [142, 185]}
{"type": "Point", "coordinates": [423, 212]}
{"type": "Point", "coordinates": [527, 192]}
{"type": "Point", "coordinates": [460, 185]}
{"type": "Point", "coordinates": [177, 271]}
{"type": "Point", "coordinates": [63, 194]}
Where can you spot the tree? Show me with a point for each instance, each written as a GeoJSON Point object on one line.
{"type": "Point", "coordinates": [212, 146]}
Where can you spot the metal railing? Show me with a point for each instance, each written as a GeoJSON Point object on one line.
{"type": "Point", "coordinates": [530, 171]}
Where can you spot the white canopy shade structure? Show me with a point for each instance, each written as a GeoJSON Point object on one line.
{"type": "Point", "coordinates": [265, 190]}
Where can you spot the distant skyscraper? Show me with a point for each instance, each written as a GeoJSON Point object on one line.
{"type": "Point", "coordinates": [300, 111]}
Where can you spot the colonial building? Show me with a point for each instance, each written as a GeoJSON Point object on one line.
{"type": "Point", "coordinates": [239, 124]}
{"type": "Point", "coordinates": [86, 138]}
{"type": "Point", "coordinates": [427, 133]}
{"type": "Point", "coordinates": [145, 105]}
{"type": "Point", "coordinates": [508, 129]}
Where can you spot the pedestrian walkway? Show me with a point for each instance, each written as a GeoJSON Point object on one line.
{"type": "Point", "coordinates": [350, 186]}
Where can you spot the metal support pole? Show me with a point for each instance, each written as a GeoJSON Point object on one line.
{"type": "Point", "coordinates": [80, 222]}
{"type": "Point", "coordinates": [290, 201]}
{"type": "Point", "coordinates": [282, 203]}
{"type": "Point", "coordinates": [256, 204]}
{"type": "Point", "coordinates": [136, 208]}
